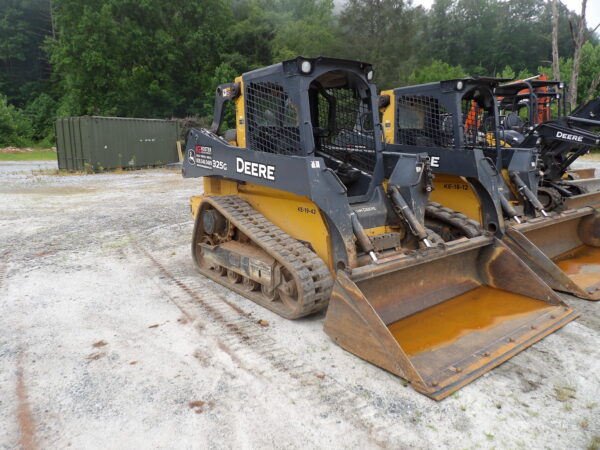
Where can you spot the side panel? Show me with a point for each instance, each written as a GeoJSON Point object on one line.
{"type": "Point", "coordinates": [135, 143]}
{"type": "Point", "coordinates": [115, 142]}
{"type": "Point", "coordinates": [471, 165]}
{"type": "Point", "coordinates": [209, 156]}
{"type": "Point", "coordinates": [456, 193]}
{"type": "Point", "coordinates": [297, 216]}
{"type": "Point", "coordinates": [70, 143]}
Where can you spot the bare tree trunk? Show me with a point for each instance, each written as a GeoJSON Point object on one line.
{"type": "Point", "coordinates": [555, 66]}
{"type": "Point", "coordinates": [52, 20]}
{"type": "Point", "coordinates": [593, 87]}
{"type": "Point", "coordinates": [579, 40]}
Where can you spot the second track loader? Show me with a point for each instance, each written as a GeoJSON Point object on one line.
{"type": "Point", "coordinates": [297, 216]}
{"type": "Point", "coordinates": [527, 119]}
{"type": "Point", "coordinates": [456, 123]}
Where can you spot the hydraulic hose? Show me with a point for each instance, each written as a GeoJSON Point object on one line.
{"type": "Point", "coordinates": [362, 238]}
{"type": "Point", "coordinates": [402, 207]}
{"type": "Point", "coordinates": [527, 194]}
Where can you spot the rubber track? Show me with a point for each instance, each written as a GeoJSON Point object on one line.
{"type": "Point", "coordinates": [470, 228]}
{"type": "Point", "coordinates": [313, 280]}
{"type": "Point", "coordinates": [556, 198]}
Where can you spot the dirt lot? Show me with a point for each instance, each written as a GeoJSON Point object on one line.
{"type": "Point", "coordinates": [109, 339]}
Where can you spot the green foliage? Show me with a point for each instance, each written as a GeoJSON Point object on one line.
{"type": "Point", "coordinates": [436, 71]}
{"type": "Point", "coordinates": [155, 58]}
{"type": "Point", "coordinates": [15, 129]}
{"type": "Point", "coordinates": [590, 70]}
{"type": "Point", "coordinates": [136, 58]}
{"type": "Point", "coordinates": [387, 33]}
{"type": "Point", "coordinates": [40, 113]}
{"type": "Point", "coordinates": [307, 29]}
{"type": "Point", "coordinates": [224, 73]}
{"type": "Point", "coordinates": [24, 24]}
{"type": "Point", "coordinates": [488, 35]}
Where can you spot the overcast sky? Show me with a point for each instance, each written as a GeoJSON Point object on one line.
{"type": "Point", "coordinates": [592, 13]}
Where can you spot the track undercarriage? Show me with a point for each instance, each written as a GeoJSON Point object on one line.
{"type": "Point", "coordinates": [239, 248]}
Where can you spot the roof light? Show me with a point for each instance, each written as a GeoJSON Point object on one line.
{"type": "Point", "coordinates": [370, 75]}
{"type": "Point", "coordinates": [305, 67]}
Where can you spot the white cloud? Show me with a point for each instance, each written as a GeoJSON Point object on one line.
{"type": "Point", "coordinates": [592, 12]}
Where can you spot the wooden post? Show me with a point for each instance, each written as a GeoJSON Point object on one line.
{"type": "Point", "coordinates": [179, 151]}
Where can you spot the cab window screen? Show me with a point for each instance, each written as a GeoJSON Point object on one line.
{"type": "Point", "coordinates": [272, 120]}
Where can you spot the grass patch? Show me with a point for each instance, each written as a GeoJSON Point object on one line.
{"type": "Point", "coordinates": [56, 172]}
{"type": "Point", "coordinates": [44, 155]}
{"type": "Point", "coordinates": [594, 443]}
{"type": "Point", "coordinates": [564, 393]}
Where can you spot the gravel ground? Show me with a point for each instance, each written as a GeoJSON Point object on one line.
{"type": "Point", "coordinates": [110, 339]}
{"type": "Point", "coordinates": [26, 166]}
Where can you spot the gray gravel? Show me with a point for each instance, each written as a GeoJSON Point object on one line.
{"type": "Point", "coordinates": [26, 166]}
{"type": "Point", "coordinates": [110, 339]}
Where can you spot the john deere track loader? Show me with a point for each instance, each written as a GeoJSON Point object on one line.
{"type": "Point", "coordinates": [533, 113]}
{"type": "Point", "coordinates": [456, 123]}
{"type": "Point", "coordinates": [296, 215]}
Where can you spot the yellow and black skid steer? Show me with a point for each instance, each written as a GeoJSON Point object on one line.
{"type": "Point", "coordinates": [298, 215]}
{"type": "Point", "coordinates": [456, 123]}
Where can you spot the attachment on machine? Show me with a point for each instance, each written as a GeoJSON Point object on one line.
{"type": "Point", "coordinates": [402, 209]}
{"type": "Point", "coordinates": [527, 194]}
{"type": "Point", "coordinates": [305, 209]}
{"type": "Point", "coordinates": [528, 120]}
{"type": "Point", "coordinates": [460, 130]}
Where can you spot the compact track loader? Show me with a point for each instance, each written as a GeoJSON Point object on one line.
{"type": "Point", "coordinates": [456, 123]}
{"type": "Point", "coordinates": [297, 216]}
{"type": "Point", "coordinates": [533, 113]}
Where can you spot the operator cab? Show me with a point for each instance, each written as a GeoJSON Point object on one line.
{"type": "Point", "coordinates": [311, 107]}
{"type": "Point", "coordinates": [458, 114]}
{"type": "Point", "coordinates": [341, 115]}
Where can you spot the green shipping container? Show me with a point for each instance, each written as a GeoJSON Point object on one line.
{"type": "Point", "coordinates": [96, 143]}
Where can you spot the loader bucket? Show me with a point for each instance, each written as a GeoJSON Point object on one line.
{"type": "Point", "coordinates": [582, 200]}
{"type": "Point", "coordinates": [442, 318]}
{"type": "Point", "coordinates": [591, 184]}
{"type": "Point", "coordinates": [584, 173]}
{"type": "Point", "coordinates": [564, 250]}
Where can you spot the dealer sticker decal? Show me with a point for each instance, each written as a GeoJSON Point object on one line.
{"type": "Point", "coordinates": [203, 157]}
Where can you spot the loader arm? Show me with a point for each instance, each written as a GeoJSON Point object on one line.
{"type": "Point", "coordinates": [561, 142]}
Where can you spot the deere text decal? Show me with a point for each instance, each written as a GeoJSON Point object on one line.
{"type": "Point", "coordinates": [255, 169]}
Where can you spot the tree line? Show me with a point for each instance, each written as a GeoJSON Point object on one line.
{"type": "Point", "coordinates": [163, 59]}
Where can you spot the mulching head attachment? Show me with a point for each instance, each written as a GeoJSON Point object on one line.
{"type": "Point", "coordinates": [442, 317]}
